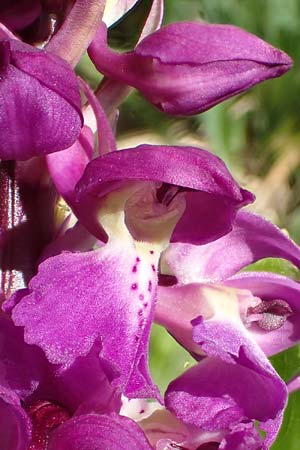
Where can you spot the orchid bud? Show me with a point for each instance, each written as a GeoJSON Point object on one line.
{"type": "Point", "coordinates": [40, 107]}
{"type": "Point", "coordinates": [188, 67]}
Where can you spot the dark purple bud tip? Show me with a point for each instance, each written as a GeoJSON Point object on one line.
{"type": "Point", "coordinates": [45, 417]}
{"type": "Point", "coordinates": [272, 314]}
{"type": "Point", "coordinates": [40, 111]}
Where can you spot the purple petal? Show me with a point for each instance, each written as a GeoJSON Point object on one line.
{"type": "Point", "coordinates": [154, 19]}
{"type": "Point", "coordinates": [217, 195]}
{"type": "Point", "coordinates": [19, 15]}
{"type": "Point", "coordinates": [66, 167]}
{"type": "Point", "coordinates": [251, 239]}
{"type": "Point", "coordinates": [77, 31]}
{"type": "Point", "coordinates": [268, 286]}
{"type": "Point", "coordinates": [21, 365]}
{"type": "Point", "coordinates": [188, 67]}
{"type": "Point", "coordinates": [77, 298]}
{"type": "Point", "coordinates": [215, 395]}
{"type": "Point", "coordinates": [15, 428]}
{"type": "Point", "coordinates": [99, 432]}
{"type": "Point", "coordinates": [82, 388]}
{"type": "Point", "coordinates": [294, 384]}
{"type": "Point", "coordinates": [243, 436]}
{"type": "Point", "coordinates": [40, 111]}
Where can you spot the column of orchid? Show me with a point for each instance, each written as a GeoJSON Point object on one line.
{"type": "Point", "coordinates": [98, 243]}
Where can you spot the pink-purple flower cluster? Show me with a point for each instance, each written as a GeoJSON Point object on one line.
{"type": "Point", "coordinates": [149, 234]}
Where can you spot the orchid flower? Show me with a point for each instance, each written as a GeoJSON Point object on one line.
{"type": "Point", "coordinates": [188, 67]}
{"type": "Point", "coordinates": [43, 408]}
{"type": "Point", "coordinates": [230, 403]}
{"type": "Point", "coordinates": [232, 320]}
{"type": "Point", "coordinates": [214, 405]}
{"type": "Point", "coordinates": [263, 307]}
{"type": "Point", "coordinates": [139, 199]}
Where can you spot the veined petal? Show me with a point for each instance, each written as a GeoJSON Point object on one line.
{"type": "Point", "coordinates": [109, 294]}
{"type": "Point", "coordinates": [93, 431]}
{"type": "Point", "coordinates": [252, 238]}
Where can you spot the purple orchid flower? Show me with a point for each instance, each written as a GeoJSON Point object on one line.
{"type": "Point", "coordinates": [44, 409]}
{"type": "Point", "coordinates": [214, 405]}
{"type": "Point", "coordinates": [188, 67]}
{"type": "Point", "coordinates": [263, 307]}
{"type": "Point", "coordinates": [139, 198]}
{"type": "Point", "coordinates": [224, 401]}
{"type": "Point", "coordinates": [41, 111]}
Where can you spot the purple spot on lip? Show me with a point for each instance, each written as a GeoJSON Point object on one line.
{"type": "Point", "coordinates": [141, 297]}
{"type": "Point", "coordinates": [134, 269]}
{"type": "Point", "coordinates": [150, 286]}
{"type": "Point", "coordinates": [151, 252]}
{"type": "Point", "coordinates": [153, 268]}
{"type": "Point", "coordinates": [134, 286]}
{"type": "Point", "coordinates": [137, 259]}
{"type": "Point", "coordinates": [145, 305]}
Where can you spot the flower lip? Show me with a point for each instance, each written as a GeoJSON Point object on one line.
{"type": "Point", "coordinates": [270, 315]}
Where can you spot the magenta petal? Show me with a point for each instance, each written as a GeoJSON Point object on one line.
{"type": "Point", "coordinates": [215, 395]}
{"type": "Point", "coordinates": [77, 298]}
{"type": "Point", "coordinates": [21, 365]}
{"type": "Point", "coordinates": [231, 343]}
{"type": "Point", "coordinates": [67, 166]}
{"type": "Point", "coordinates": [268, 286]}
{"type": "Point", "coordinates": [18, 15]}
{"type": "Point", "coordinates": [242, 436]}
{"type": "Point", "coordinates": [40, 108]}
{"type": "Point", "coordinates": [188, 67]}
{"type": "Point", "coordinates": [99, 432]}
{"type": "Point", "coordinates": [251, 239]}
{"type": "Point", "coordinates": [210, 187]}
{"type": "Point", "coordinates": [15, 427]}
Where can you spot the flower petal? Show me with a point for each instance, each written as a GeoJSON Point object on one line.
{"type": "Point", "coordinates": [217, 195]}
{"type": "Point", "coordinates": [215, 395]}
{"type": "Point", "coordinates": [78, 298]}
{"type": "Point", "coordinates": [188, 67]}
{"type": "Point", "coordinates": [268, 286]}
{"type": "Point", "coordinates": [251, 239]}
{"type": "Point", "coordinates": [15, 428]}
{"type": "Point", "coordinates": [92, 431]}
{"type": "Point", "coordinates": [40, 108]}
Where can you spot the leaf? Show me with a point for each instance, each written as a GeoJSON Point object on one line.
{"type": "Point", "coordinates": [287, 364]}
